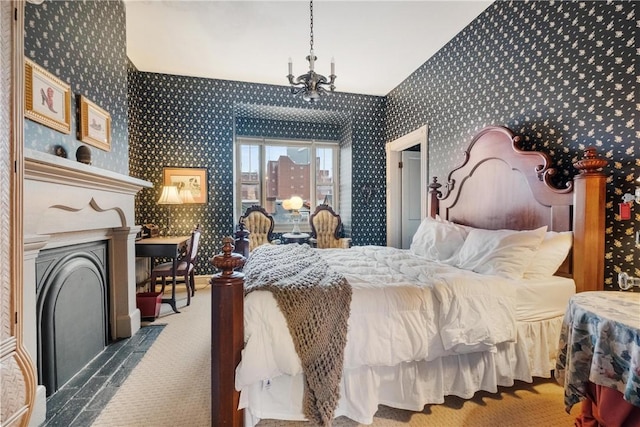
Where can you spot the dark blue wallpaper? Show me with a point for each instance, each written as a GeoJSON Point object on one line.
{"type": "Point", "coordinates": [563, 74]}
{"type": "Point", "coordinates": [84, 44]}
{"type": "Point", "coordinates": [257, 127]}
{"type": "Point", "coordinates": [190, 122]}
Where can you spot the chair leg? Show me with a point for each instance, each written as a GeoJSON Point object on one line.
{"type": "Point", "coordinates": [164, 283]}
{"type": "Point", "coordinates": [188, 285]}
{"type": "Point", "coordinates": [192, 276]}
{"type": "Point", "coordinates": [152, 283]}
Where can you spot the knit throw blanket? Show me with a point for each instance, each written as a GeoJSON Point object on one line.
{"type": "Point", "coordinates": [315, 301]}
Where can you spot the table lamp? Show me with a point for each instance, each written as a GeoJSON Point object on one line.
{"type": "Point", "coordinates": [186, 196]}
{"type": "Point", "coordinates": [169, 196]}
{"type": "Point", "coordinates": [295, 203]}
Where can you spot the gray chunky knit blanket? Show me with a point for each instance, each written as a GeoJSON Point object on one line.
{"type": "Point", "coordinates": [315, 301]}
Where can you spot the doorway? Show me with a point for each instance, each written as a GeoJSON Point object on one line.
{"type": "Point", "coordinates": [396, 203]}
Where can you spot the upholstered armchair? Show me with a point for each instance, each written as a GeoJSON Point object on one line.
{"type": "Point", "coordinates": [257, 221]}
{"type": "Point", "coordinates": [326, 227]}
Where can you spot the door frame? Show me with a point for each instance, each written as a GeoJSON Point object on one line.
{"type": "Point", "coordinates": [394, 181]}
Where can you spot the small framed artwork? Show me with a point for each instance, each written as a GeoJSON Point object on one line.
{"type": "Point", "coordinates": [191, 183]}
{"type": "Point", "coordinates": [47, 99]}
{"type": "Point", "coordinates": [95, 125]}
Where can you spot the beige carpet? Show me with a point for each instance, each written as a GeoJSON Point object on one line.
{"type": "Point", "coordinates": [171, 387]}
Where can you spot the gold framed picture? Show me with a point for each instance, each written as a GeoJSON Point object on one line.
{"type": "Point", "coordinates": [191, 183]}
{"type": "Point", "coordinates": [47, 99]}
{"type": "Point", "coordinates": [95, 125]}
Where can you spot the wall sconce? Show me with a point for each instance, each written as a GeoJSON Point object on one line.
{"type": "Point", "coordinates": [627, 201]}
{"type": "Point", "coordinates": [169, 196]}
{"type": "Point", "coordinates": [626, 282]}
{"type": "Point", "coordinates": [293, 205]}
{"type": "Point", "coordinates": [368, 191]}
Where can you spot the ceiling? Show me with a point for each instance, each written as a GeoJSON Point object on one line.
{"type": "Point", "coordinates": [376, 44]}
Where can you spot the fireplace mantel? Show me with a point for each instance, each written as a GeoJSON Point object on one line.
{"type": "Point", "coordinates": [67, 203]}
{"type": "Point", "coordinates": [71, 187]}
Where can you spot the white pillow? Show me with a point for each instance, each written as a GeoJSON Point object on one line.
{"type": "Point", "coordinates": [505, 253]}
{"type": "Point", "coordinates": [437, 239]}
{"type": "Point", "coordinates": [551, 254]}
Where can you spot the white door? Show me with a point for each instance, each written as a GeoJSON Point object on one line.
{"type": "Point", "coordinates": [394, 150]}
{"type": "Point", "coordinates": [411, 200]}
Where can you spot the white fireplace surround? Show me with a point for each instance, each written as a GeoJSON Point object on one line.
{"type": "Point", "coordinates": [66, 203]}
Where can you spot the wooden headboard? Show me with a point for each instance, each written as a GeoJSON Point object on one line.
{"type": "Point", "coordinates": [500, 186]}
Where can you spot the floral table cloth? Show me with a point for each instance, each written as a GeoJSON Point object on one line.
{"type": "Point", "coordinates": [600, 343]}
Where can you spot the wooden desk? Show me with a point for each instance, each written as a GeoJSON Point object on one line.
{"type": "Point", "coordinates": [165, 247]}
{"type": "Point", "coordinates": [599, 356]}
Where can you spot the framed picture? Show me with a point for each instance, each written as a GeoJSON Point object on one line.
{"type": "Point", "coordinates": [95, 125]}
{"type": "Point", "coordinates": [47, 99]}
{"type": "Point", "coordinates": [191, 183]}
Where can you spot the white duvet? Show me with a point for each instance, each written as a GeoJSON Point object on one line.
{"type": "Point", "coordinates": [403, 308]}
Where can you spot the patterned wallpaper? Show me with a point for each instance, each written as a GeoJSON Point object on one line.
{"type": "Point", "coordinates": [190, 122]}
{"type": "Point", "coordinates": [563, 74]}
{"type": "Point", "coordinates": [84, 44]}
{"type": "Point", "coordinates": [287, 129]}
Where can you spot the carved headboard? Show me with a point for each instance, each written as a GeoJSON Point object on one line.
{"type": "Point", "coordinates": [500, 186]}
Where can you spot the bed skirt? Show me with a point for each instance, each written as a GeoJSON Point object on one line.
{"type": "Point", "coordinates": [414, 384]}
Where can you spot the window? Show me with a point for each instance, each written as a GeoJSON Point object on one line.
{"type": "Point", "coordinates": [269, 171]}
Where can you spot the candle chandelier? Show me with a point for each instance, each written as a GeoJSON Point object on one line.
{"type": "Point", "coordinates": [311, 85]}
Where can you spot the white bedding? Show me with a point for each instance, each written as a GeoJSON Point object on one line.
{"type": "Point", "coordinates": [544, 298]}
{"type": "Point", "coordinates": [408, 316]}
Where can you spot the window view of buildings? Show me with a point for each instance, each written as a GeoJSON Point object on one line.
{"type": "Point", "coordinates": [288, 172]}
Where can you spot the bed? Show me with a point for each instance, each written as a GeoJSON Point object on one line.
{"type": "Point", "coordinates": [422, 325]}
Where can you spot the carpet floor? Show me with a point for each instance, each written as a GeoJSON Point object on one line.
{"type": "Point", "coordinates": [170, 386]}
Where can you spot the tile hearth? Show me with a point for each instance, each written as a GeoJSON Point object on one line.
{"type": "Point", "coordinates": [79, 402]}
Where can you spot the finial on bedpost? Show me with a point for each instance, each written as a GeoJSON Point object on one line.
{"type": "Point", "coordinates": [434, 205]}
{"type": "Point", "coordinates": [590, 163]}
{"type": "Point", "coordinates": [227, 335]}
{"type": "Point", "coordinates": [589, 201]}
{"type": "Point", "coordinates": [227, 261]}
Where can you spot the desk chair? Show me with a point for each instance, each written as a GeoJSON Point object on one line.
{"type": "Point", "coordinates": [185, 267]}
{"type": "Point", "coordinates": [326, 227]}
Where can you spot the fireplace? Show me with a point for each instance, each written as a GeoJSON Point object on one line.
{"type": "Point", "coordinates": [72, 309]}
{"type": "Point", "coordinates": [79, 244]}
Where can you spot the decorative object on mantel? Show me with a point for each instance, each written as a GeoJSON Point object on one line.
{"type": "Point", "coordinates": [95, 124]}
{"type": "Point", "coordinates": [311, 84]}
{"type": "Point", "coordinates": [169, 196]}
{"type": "Point", "coordinates": [83, 154]}
{"type": "Point", "coordinates": [60, 151]}
{"type": "Point", "coordinates": [47, 99]}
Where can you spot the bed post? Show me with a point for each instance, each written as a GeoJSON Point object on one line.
{"type": "Point", "coordinates": [227, 336]}
{"type": "Point", "coordinates": [589, 200]}
{"type": "Point", "coordinates": [434, 205]}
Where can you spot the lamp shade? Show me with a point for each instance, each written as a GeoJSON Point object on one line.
{"type": "Point", "coordinates": [295, 203]}
{"type": "Point", "coordinates": [170, 196]}
{"type": "Point", "coordinates": [186, 196]}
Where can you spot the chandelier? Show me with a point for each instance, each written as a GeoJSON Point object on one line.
{"type": "Point", "coordinates": [311, 85]}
